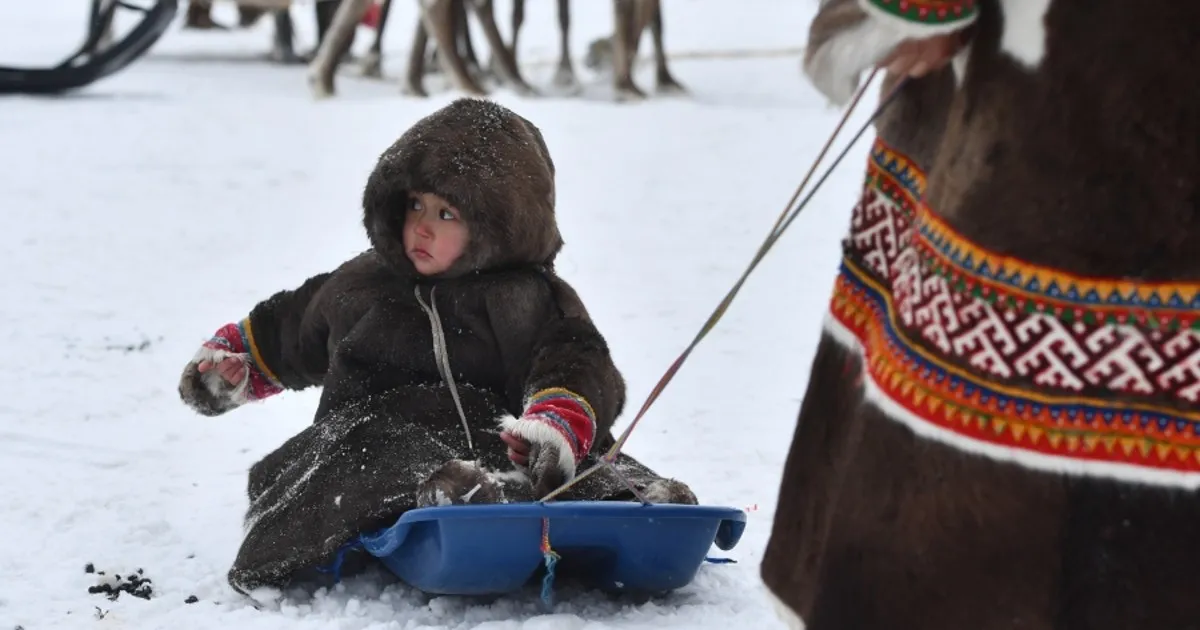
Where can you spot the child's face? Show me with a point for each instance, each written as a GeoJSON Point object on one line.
{"type": "Point", "coordinates": [434, 233]}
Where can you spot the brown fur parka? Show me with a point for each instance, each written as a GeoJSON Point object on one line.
{"type": "Point", "coordinates": [387, 418]}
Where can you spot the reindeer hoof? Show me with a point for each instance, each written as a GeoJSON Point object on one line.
{"type": "Point", "coordinates": [320, 87]}
{"type": "Point", "coordinates": [286, 57]}
{"type": "Point", "coordinates": [630, 94]}
{"type": "Point", "coordinates": [670, 86]}
{"type": "Point", "coordinates": [249, 16]}
{"type": "Point", "coordinates": [481, 77]}
{"type": "Point", "coordinates": [372, 66]}
{"type": "Point", "coordinates": [468, 85]}
{"type": "Point", "coordinates": [626, 90]}
{"type": "Point", "coordinates": [493, 68]}
{"type": "Point", "coordinates": [473, 89]}
{"type": "Point", "coordinates": [524, 89]}
{"type": "Point", "coordinates": [565, 80]}
{"type": "Point", "coordinates": [413, 89]}
{"type": "Point", "coordinates": [203, 21]}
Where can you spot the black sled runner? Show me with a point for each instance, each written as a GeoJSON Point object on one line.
{"type": "Point", "coordinates": [91, 62]}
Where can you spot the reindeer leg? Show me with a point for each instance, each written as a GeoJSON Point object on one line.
{"type": "Point", "coordinates": [462, 30]}
{"type": "Point", "coordinates": [249, 16]}
{"type": "Point", "coordinates": [438, 16]}
{"type": "Point", "coordinates": [414, 84]}
{"type": "Point", "coordinates": [199, 15]}
{"type": "Point", "coordinates": [564, 75]}
{"type": "Point", "coordinates": [462, 40]}
{"type": "Point", "coordinates": [430, 63]}
{"type": "Point", "coordinates": [642, 13]}
{"type": "Point", "coordinates": [518, 20]}
{"type": "Point", "coordinates": [329, 51]}
{"type": "Point", "coordinates": [664, 82]}
{"type": "Point", "coordinates": [372, 63]}
{"type": "Point", "coordinates": [623, 50]}
{"type": "Point", "coordinates": [325, 12]}
{"type": "Point", "coordinates": [483, 11]}
{"type": "Point", "coordinates": [433, 65]}
{"type": "Point", "coordinates": [283, 45]}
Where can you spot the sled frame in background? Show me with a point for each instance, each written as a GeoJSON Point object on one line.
{"type": "Point", "coordinates": [90, 64]}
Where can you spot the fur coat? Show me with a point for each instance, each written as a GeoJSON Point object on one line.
{"type": "Point", "coordinates": [1002, 422]}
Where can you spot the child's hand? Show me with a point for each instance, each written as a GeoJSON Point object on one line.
{"type": "Point", "coordinates": [542, 460]}
{"type": "Point", "coordinates": [214, 381]}
{"type": "Point", "coordinates": [552, 436]}
{"type": "Point", "coordinates": [223, 376]}
{"type": "Point", "coordinates": [518, 449]}
{"type": "Point", "coordinates": [231, 368]}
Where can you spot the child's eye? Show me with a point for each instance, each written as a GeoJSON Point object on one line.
{"type": "Point", "coordinates": [446, 215]}
{"type": "Point", "coordinates": [414, 204]}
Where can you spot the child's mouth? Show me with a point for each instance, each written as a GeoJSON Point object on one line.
{"type": "Point", "coordinates": [420, 253]}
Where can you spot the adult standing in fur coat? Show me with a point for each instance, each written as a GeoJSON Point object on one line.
{"type": "Point", "coordinates": [1002, 423]}
{"type": "Point", "coordinates": [456, 366]}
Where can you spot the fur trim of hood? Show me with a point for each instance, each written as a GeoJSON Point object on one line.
{"type": "Point", "coordinates": [489, 163]}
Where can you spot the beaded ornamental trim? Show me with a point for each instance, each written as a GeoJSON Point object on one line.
{"type": "Point", "coordinates": [1019, 362]}
{"type": "Point", "coordinates": [935, 13]}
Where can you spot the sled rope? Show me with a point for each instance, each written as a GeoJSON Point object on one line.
{"type": "Point", "coordinates": [551, 558]}
{"type": "Point", "coordinates": [782, 223]}
{"type": "Point", "coordinates": [441, 356]}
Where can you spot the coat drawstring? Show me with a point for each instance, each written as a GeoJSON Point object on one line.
{"type": "Point", "coordinates": [441, 357]}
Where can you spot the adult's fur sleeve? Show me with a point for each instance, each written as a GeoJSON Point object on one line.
{"type": "Point", "coordinates": [848, 37]}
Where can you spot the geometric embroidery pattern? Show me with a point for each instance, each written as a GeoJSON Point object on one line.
{"type": "Point", "coordinates": [996, 278]}
{"type": "Point", "coordinates": [1004, 353]}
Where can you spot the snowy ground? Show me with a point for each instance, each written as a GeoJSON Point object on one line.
{"type": "Point", "coordinates": [151, 208]}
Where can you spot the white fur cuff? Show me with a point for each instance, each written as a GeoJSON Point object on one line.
{"type": "Point", "coordinates": [836, 66]}
{"type": "Point", "coordinates": [216, 384]}
{"type": "Point", "coordinates": [535, 430]}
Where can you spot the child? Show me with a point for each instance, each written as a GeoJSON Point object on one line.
{"type": "Point", "coordinates": [452, 321]}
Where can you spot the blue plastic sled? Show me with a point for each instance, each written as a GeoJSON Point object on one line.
{"type": "Point", "coordinates": [614, 546]}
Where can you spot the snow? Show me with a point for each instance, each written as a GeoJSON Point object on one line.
{"type": "Point", "coordinates": [147, 210]}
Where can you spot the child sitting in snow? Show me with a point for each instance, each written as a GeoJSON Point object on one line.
{"type": "Point", "coordinates": [455, 365]}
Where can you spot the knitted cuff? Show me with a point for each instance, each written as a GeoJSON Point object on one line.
{"type": "Point", "coordinates": [239, 339]}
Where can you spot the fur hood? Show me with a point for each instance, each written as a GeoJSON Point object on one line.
{"type": "Point", "coordinates": [487, 161]}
